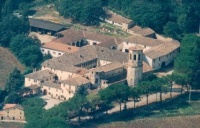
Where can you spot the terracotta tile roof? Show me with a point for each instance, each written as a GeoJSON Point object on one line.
{"type": "Point", "coordinates": [111, 55]}
{"type": "Point", "coordinates": [110, 43]}
{"type": "Point", "coordinates": [117, 18]}
{"type": "Point", "coordinates": [136, 48]}
{"type": "Point", "coordinates": [51, 84]}
{"type": "Point", "coordinates": [135, 28]}
{"type": "Point", "coordinates": [8, 106]}
{"type": "Point", "coordinates": [73, 35]}
{"type": "Point", "coordinates": [70, 36]}
{"type": "Point", "coordinates": [45, 24]}
{"type": "Point", "coordinates": [67, 62]}
{"type": "Point", "coordinates": [60, 47]}
{"type": "Point", "coordinates": [143, 41]}
{"type": "Point", "coordinates": [108, 67]}
{"type": "Point", "coordinates": [162, 50]}
{"type": "Point", "coordinates": [77, 81]}
{"type": "Point", "coordinates": [146, 32]}
{"type": "Point", "coordinates": [40, 75]}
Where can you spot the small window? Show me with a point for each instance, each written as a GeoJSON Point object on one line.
{"type": "Point", "coordinates": [96, 81]}
{"type": "Point", "coordinates": [159, 58]}
{"type": "Point", "coordinates": [42, 50]}
{"type": "Point", "coordinates": [59, 53]}
{"type": "Point", "coordinates": [126, 50]}
{"type": "Point", "coordinates": [130, 56]}
{"type": "Point", "coordinates": [134, 57]}
{"type": "Point", "coordinates": [154, 60]}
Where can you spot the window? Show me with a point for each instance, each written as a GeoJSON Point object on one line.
{"type": "Point", "coordinates": [42, 50]}
{"type": "Point", "coordinates": [96, 81]}
{"type": "Point", "coordinates": [35, 81]}
{"type": "Point", "coordinates": [126, 50]}
{"type": "Point", "coordinates": [139, 57]}
{"type": "Point", "coordinates": [159, 58]}
{"type": "Point", "coordinates": [154, 60]}
{"type": "Point", "coordinates": [59, 53]}
{"type": "Point", "coordinates": [130, 56]}
{"type": "Point", "coordinates": [134, 57]}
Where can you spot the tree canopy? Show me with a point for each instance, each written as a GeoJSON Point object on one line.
{"type": "Point", "coordinates": [84, 11]}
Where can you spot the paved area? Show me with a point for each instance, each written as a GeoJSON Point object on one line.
{"type": "Point", "coordinates": [44, 38]}
{"type": "Point", "coordinates": [50, 102]}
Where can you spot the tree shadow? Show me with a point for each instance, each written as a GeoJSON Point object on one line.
{"type": "Point", "coordinates": [168, 107]}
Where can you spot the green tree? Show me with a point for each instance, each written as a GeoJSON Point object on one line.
{"type": "Point", "coordinates": [13, 98]}
{"type": "Point", "coordinates": [31, 56]}
{"type": "Point", "coordinates": [172, 29]}
{"type": "Point", "coordinates": [135, 94]}
{"type": "Point", "coordinates": [14, 81]}
{"type": "Point", "coordinates": [145, 88]}
{"type": "Point", "coordinates": [118, 93]}
{"type": "Point", "coordinates": [187, 62]}
{"type": "Point", "coordinates": [11, 26]}
{"type": "Point", "coordinates": [84, 11]}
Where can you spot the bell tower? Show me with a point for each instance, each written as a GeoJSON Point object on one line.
{"type": "Point", "coordinates": [135, 66]}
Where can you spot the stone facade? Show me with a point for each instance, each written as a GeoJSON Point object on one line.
{"type": "Point", "coordinates": [135, 66]}
{"type": "Point", "coordinates": [12, 113]}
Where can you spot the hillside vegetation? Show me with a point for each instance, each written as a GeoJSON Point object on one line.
{"type": "Point", "coordinates": [168, 122]}
{"type": "Point", "coordinates": [7, 63]}
{"type": "Point", "coordinates": [11, 125]}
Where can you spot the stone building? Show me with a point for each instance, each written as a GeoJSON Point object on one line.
{"type": "Point", "coordinates": [12, 113]}
{"type": "Point", "coordinates": [135, 65]}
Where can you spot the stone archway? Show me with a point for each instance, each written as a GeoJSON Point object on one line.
{"type": "Point", "coordinates": [45, 92]}
{"type": "Point", "coordinates": [163, 64]}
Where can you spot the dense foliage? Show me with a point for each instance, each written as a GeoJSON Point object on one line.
{"type": "Point", "coordinates": [187, 63]}
{"type": "Point", "coordinates": [83, 11]}
{"type": "Point", "coordinates": [178, 17]}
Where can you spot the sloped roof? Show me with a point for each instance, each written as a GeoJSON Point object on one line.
{"type": "Point", "coordinates": [8, 106]}
{"type": "Point", "coordinates": [51, 84]}
{"type": "Point", "coordinates": [60, 47]}
{"type": "Point", "coordinates": [67, 62]}
{"type": "Point", "coordinates": [117, 18]}
{"type": "Point", "coordinates": [162, 49]}
{"type": "Point", "coordinates": [135, 28]}
{"type": "Point", "coordinates": [40, 75]}
{"type": "Point", "coordinates": [108, 67]}
{"type": "Point", "coordinates": [45, 24]}
{"type": "Point", "coordinates": [77, 81]}
{"type": "Point", "coordinates": [146, 31]}
{"type": "Point", "coordinates": [143, 41]}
